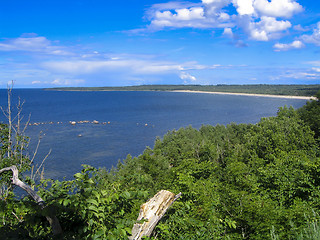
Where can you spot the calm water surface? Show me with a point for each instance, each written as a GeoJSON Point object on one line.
{"type": "Point", "coordinates": [136, 119]}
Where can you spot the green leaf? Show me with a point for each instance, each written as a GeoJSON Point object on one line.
{"type": "Point", "coordinates": [78, 176]}
{"type": "Point", "coordinates": [66, 202]}
{"type": "Point", "coordinates": [92, 201]}
{"type": "Point", "coordinates": [93, 208]}
{"type": "Point", "coordinates": [126, 195]}
{"type": "Point", "coordinates": [104, 192]}
{"type": "Point", "coordinates": [128, 230]}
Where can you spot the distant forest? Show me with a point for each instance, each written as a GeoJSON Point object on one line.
{"type": "Point", "coordinates": [292, 90]}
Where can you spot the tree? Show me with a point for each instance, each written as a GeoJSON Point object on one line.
{"type": "Point", "coordinates": [13, 143]}
{"type": "Point", "coordinates": [310, 113]}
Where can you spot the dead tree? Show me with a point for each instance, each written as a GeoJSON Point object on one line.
{"type": "Point", "coordinates": [52, 219]}
{"type": "Point", "coordinates": [151, 212]}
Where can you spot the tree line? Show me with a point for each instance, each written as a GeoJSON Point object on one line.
{"type": "Point", "coordinates": [291, 90]}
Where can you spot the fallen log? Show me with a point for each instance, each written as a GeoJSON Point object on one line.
{"type": "Point", "coordinates": [151, 213]}
{"type": "Point", "coordinates": [52, 219]}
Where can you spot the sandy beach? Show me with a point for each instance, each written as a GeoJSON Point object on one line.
{"type": "Point", "coordinates": [249, 94]}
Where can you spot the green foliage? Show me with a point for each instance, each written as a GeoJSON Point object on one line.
{"type": "Point", "coordinates": [239, 181]}
{"type": "Point", "coordinates": [92, 207]}
{"type": "Point", "coordinates": [310, 114]}
{"type": "Point", "coordinates": [13, 146]}
{"type": "Point", "coordinates": [13, 151]}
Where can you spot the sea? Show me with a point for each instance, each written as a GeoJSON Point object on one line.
{"type": "Point", "coordinates": [109, 125]}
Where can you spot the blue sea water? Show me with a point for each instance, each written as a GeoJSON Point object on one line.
{"type": "Point", "coordinates": [132, 120]}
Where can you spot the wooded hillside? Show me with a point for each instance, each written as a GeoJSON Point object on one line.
{"type": "Point", "coordinates": [240, 181]}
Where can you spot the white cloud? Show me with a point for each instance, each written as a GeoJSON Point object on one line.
{"type": "Point", "coordinates": [193, 18]}
{"type": "Point", "coordinates": [299, 28]}
{"type": "Point", "coordinates": [187, 77]}
{"type": "Point", "coordinates": [285, 47]}
{"type": "Point", "coordinates": [24, 44]}
{"type": "Point", "coordinates": [181, 18]}
{"type": "Point", "coordinates": [192, 15]}
{"type": "Point", "coordinates": [302, 75]}
{"type": "Point", "coordinates": [314, 63]}
{"type": "Point", "coordinates": [213, 7]}
{"type": "Point", "coordinates": [314, 38]}
{"type": "Point", "coordinates": [35, 82]}
{"type": "Point", "coordinates": [261, 20]}
{"type": "Point", "coordinates": [133, 65]}
{"type": "Point", "coordinates": [267, 28]}
{"type": "Point", "coordinates": [244, 7]}
{"type": "Point", "coordinates": [38, 67]}
{"type": "Point", "coordinates": [32, 44]}
{"type": "Point", "coordinates": [126, 67]}
{"type": "Point", "coordinates": [169, 5]}
{"type": "Point", "coordinates": [223, 17]}
{"type": "Point", "coordinates": [277, 8]}
{"type": "Point", "coordinates": [228, 32]}
{"type": "Point", "coordinates": [61, 81]}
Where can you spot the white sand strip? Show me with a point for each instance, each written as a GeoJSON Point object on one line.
{"type": "Point", "coordinates": [248, 94]}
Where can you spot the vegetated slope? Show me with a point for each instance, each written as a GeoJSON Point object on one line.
{"type": "Point", "coordinates": [240, 181]}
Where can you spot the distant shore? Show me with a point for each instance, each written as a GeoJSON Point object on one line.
{"type": "Point", "coordinates": [257, 90]}
{"type": "Point", "coordinates": [248, 94]}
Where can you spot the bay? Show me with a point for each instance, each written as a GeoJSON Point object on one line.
{"type": "Point", "coordinates": [128, 121]}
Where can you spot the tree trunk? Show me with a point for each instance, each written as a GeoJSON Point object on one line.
{"type": "Point", "coordinates": [151, 212]}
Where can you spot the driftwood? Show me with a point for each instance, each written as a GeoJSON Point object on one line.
{"type": "Point", "coordinates": [151, 212]}
{"type": "Point", "coordinates": [54, 222]}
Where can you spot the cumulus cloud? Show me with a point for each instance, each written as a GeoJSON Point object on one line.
{"type": "Point", "coordinates": [261, 20]}
{"type": "Point", "coordinates": [266, 29]}
{"type": "Point", "coordinates": [244, 7]}
{"type": "Point", "coordinates": [285, 47]}
{"type": "Point", "coordinates": [192, 17]}
{"type": "Point", "coordinates": [208, 14]}
{"type": "Point", "coordinates": [277, 8]}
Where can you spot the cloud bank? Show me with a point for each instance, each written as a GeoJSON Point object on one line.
{"type": "Point", "coordinates": [261, 20]}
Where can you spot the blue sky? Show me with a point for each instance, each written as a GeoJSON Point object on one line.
{"type": "Point", "coordinates": [52, 43]}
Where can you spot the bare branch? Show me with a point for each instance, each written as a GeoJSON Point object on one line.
{"type": "Point", "coordinates": [17, 217]}
{"type": "Point", "coordinates": [16, 181]}
{"type": "Point", "coordinates": [37, 171]}
{"type": "Point", "coordinates": [54, 223]}
{"type": "Point", "coordinates": [36, 150]}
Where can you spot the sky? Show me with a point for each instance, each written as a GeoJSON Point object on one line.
{"type": "Point", "coordinates": [88, 43]}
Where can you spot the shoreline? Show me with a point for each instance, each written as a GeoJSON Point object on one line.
{"type": "Point", "coordinates": [194, 91]}
{"type": "Point", "coordinates": [249, 94]}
